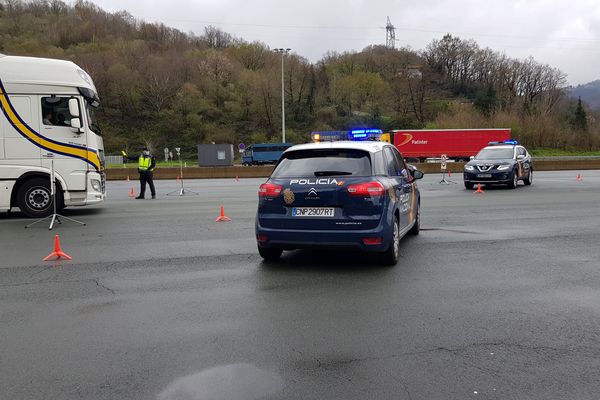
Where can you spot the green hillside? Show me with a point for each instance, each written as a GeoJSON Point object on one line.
{"type": "Point", "coordinates": [163, 87]}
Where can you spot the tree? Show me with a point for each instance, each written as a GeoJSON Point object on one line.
{"type": "Point", "coordinates": [579, 119]}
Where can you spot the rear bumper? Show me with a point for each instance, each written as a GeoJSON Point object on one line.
{"type": "Point", "coordinates": [288, 239]}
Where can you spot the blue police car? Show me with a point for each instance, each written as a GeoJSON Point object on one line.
{"type": "Point", "coordinates": [359, 195]}
{"type": "Point", "coordinates": [500, 163]}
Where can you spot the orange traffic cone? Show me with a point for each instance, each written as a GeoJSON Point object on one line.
{"type": "Point", "coordinates": [127, 178]}
{"type": "Point", "coordinates": [178, 179]}
{"type": "Point", "coordinates": [132, 192]}
{"type": "Point", "coordinates": [479, 190]}
{"type": "Point", "coordinates": [222, 217]}
{"type": "Point", "coordinates": [449, 174]}
{"type": "Point", "coordinates": [237, 178]}
{"type": "Point", "coordinates": [57, 253]}
{"type": "Point", "coordinates": [579, 178]}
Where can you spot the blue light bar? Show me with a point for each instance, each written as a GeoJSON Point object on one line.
{"type": "Point", "coordinates": [358, 134]}
{"type": "Point", "coordinates": [511, 142]}
{"type": "Point", "coordinates": [366, 131]}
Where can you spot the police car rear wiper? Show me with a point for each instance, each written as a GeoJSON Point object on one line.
{"type": "Point", "coordinates": [332, 173]}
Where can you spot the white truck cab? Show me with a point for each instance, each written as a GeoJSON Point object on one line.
{"type": "Point", "coordinates": [47, 118]}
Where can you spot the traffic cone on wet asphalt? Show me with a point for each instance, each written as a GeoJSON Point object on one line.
{"type": "Point", "coordinates": [579, 178]}
{"type": "Point", "coordinates": [127, 178]}
{"type": "Point", "coordinates": [449, 174]}
{"type": "Point", "coordinates": [132, 192]}
{"type": "Point", "coordinates": [222, 217]}
{"type": "Point", "coordinates": [57, 253]}
{"type": "Point", "coordinates": [178, 179]}
{"type": "Point", "coordinates": [479, 190]}
{"type": "Point", "coordinates": [237, 178]}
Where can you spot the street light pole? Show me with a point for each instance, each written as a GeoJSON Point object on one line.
{"type": "Point", "coordinates": [283, 52]}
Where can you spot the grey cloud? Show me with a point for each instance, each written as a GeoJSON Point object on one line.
{"type": "Point", "coordinates": [563, 34]}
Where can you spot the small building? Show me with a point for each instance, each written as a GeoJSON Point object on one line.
{"type": "Point", "coordinates": [215, 155]}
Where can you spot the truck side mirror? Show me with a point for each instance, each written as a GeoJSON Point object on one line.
{"type": "Point", "coordinates": [76, 124]}
{"type": "Point", "coordinates": [74, 108]}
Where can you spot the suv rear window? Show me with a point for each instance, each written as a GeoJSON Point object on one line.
{"type": "Point", "coordinates": [323, 162]}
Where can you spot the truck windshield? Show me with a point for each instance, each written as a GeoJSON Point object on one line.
{"type": "Point", "coordinates": [329, 162]}
{"type": "Point", "coordinates": [92, 119]}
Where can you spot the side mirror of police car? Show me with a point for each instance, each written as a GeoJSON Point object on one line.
{"type": "Point", "coordinates": [418, 174]}
{"type": "Point", "coordinates": [520, 157]}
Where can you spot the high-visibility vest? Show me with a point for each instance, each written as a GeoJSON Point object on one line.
{"type": "Point", "coordinates": [144, 163]}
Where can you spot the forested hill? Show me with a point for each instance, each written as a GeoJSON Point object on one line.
{"type": "Point", "coordinates": [163, 87]}
{"type": "Point", "coordinates": [589, 93]}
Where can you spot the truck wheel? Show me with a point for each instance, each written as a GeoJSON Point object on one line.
{"type": "Point", "coordinates": [469, 185]}
{"type": "Point", "coordinates": [35, 200]}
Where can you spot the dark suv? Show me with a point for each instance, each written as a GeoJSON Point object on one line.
{"type": "Point", "coordinates": [500, 163]}
{"type": "Point", "coordinates": [359, 195]}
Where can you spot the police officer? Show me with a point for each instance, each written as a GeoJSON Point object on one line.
{"type": "Point", "coordinates": [146, 164]}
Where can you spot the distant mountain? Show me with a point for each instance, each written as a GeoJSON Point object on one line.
{"type": "Point", "coordinates": [589, 93]}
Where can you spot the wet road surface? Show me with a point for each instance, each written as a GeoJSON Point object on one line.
{"type": "Point", "coordinates": [497, 298]}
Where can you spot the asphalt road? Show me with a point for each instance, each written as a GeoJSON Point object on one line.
{"type": "Point", "coordinates": [497, 298]}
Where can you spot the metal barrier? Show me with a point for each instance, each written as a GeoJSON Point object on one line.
{"type": "Point", "coordinates": [113, 160]}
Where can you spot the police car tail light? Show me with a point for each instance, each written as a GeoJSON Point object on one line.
{"type": "Point", "coordinates": [366, 189]}
{"type": "Point", "coordinates": [269, 190]}
{"type": "Point", "coordinates": [372, 241]}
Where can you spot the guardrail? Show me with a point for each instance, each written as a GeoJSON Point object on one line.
{"type": "Point", "coordinates": [264, 171]}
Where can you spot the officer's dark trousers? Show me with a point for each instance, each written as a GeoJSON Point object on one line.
{"type": "Point", "coordinates": [146, 176]}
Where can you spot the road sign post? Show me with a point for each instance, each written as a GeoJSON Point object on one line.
{"type": "Point", "coordinates": [182, 191]}
{"type": "Point", "coordinates": [443, 167]}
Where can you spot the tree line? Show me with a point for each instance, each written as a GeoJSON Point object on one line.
{"type": "Point", "coordinates": [165, 88]}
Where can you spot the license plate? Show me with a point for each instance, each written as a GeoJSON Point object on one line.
{"type": "Point", "coordinates": [484, 175]}
{"type": "Point", "coordinates": [313, 212]}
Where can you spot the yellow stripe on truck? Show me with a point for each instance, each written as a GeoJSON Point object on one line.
{"type": "Point", "coordinates": [40, 141]}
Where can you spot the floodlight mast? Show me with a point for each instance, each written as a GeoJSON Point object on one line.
{"type": "Point", "coordinates": [283, 52]}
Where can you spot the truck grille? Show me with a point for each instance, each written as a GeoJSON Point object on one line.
{"type": "Point", "coordinates": [103, 181]}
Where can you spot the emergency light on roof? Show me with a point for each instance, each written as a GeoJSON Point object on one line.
{"type": "Point", "coordinates": [362, 134]}
{"type": "Point", "coordinates": [511, 142]}
{"type": "Point", "coordinates": [329, 136]}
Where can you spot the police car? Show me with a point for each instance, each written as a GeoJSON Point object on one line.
{"type": "Point", "coordinates": [350, 194]}
{"type": "Point", "coordinates": [500, 163]}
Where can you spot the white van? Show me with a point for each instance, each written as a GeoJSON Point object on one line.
{"type": "Point", "coordinates": [47, 117]}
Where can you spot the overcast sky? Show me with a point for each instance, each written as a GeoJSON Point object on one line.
{"type": "Point", "coordinates": [562, 33]}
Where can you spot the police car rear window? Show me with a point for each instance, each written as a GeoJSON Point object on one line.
{"type": "Point", "coordinates": [323, 162]}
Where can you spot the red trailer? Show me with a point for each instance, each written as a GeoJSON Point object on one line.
{"type": "Point", "coordinates": [458, 144]}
